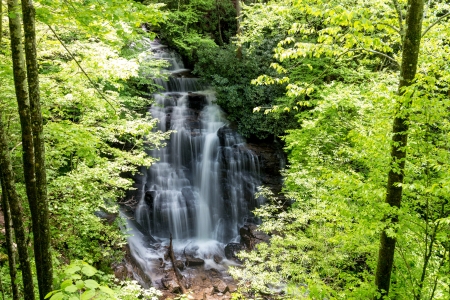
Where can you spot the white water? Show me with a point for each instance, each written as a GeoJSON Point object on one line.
{"type": "Point", "coordinates": [201, 190]}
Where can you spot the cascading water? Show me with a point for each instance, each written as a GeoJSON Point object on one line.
{"type": "Point", "coordinates": [202, 188]}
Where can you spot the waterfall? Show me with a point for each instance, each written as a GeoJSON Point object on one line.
{"type": "Point", "coordinates": [202, 188]}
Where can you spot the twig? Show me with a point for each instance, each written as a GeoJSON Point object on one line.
{"type": "Point", "coordinates": [400, 17]}
{"type": "Point", "coordinates": [378, 53]}
{"type": "Point", "coordinates": [434, 23]}
{"type": "Point", "coordinates": [14, 148]}
{"type": "Point", "coordinates": [82, 70]}
{"type": "Point", "coordinates": [391, 26]}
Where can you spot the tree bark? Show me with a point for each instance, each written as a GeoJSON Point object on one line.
{"type": "Point", "coordinates": [411, 48]}
{"type": "Point", "coordinates": [9, 241]}
{"type": "Point", "coordinates": [45, 263]}
{"type": "Point", "coordinates": [16, 214]}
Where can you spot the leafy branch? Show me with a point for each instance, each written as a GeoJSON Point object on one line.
{"type": "Point", "coordinates": [435, 23]}
{"type": "Point", "coordinates": [81, 68]}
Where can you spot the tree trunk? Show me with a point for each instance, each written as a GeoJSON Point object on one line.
{"type": "Point", "coordinates": [411, 47]}
{"type": "Point", "coordinates": [20, 84]}
{"type": "Point", "coordinates": [9, 241]}
{"type": "Point", "coordinates": [45, 263]}
{"type": "Point", "coordinates": [16, 214]}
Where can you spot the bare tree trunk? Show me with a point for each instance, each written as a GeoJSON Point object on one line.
{"type": "Point", "coordinates": [16, 214]}
{"type": "Point", "coordinates": [44, 264]}
{"type": "Point", "coordinates": [9, 241]}
{"type": "Point", "coordinates": [411, 48]}
{"type": "Point", "coordinates": [20, 83]}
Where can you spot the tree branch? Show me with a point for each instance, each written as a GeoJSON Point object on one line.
{"type": "Point", "coordinates": [391, 26]}
{"type": "Point", "coordinates": [378, 53]}
{"type": "Point", "coordinates": [435, 23]}
{"type": "Point", "coordinates": [81, 68]}
{"type": "Point", "coordinates": [400, 17]}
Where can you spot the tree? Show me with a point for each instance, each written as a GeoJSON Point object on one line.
{"type": "Point", "coordinates": [42, 233]}
{"type": "Point", "coordinates": [32, 142]}
{"type": "Point", "coordinates": [9, 241]}
{"type": "Point", "coordinates": [326, 242]}
{"type": "Point", "coordinates": [394, 189]}
{"type": "Point", "coordinates": [16, 211]}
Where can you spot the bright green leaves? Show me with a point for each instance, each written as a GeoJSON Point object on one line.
{"type": "Point", "coordinates": [106, 20]}
{"type": "Point", "coordinates": [325, 243]}
{"type": "Point", "coordinates": [80, 284]}
{"type": "Point", "coordinates": [329, 31]}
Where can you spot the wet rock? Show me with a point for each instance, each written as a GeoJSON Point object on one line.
{"type": "Point", "coordinates": [179, 264]}
{"type": "Point", "coordinates": [209, 290]}
{"type": "Point", "coordinates": [194, 262]}
{"type": "Point", "coordinates": [197, 101]}
{"type": "Point", "coordinates": [231, 249]}
{"type": "Point", "coordinates": [149, 198]}
{"type": "Point", "coordinates": [220, 286]}
{"type": "Point", "coordinates": [232, 288]}
{"type": "Point", "coordinates": [251, 236]}
{"type": "Point", "coordinates": [162, 263]}
{"type": "Point", "coordinates": [121, 272]}
{"type": "Point", "coordinates": [171, 285]}
{"type": "Point", "coordinates": [218, 259]}
{"type": "Point", "coordinates": [214, 272]}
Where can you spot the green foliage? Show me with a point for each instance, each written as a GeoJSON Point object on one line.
{"type": "Point", "coordinates": [325, 243]}
{"type": "Point", "coordinates": [198, 24]}
{"type": "Point", "coordinates": [92, 142]}
{"type": "Point", "coordinates": [236, 96]}
{"type": "Point", "coordinates": [79, 280]}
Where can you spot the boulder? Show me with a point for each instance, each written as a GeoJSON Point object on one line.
{"type": "Point", "coordinates": [194, 262]}
{"type": "Point", "coordinates": [217, 259]}
{"type": "Point", "coordinates": [220, 286]}
{"type": "Point", "coordinates": [251, 236]}
{"type": "Point", "coordinates": [171, 285]}
{"type": "Point", "coordinates": [232, 288]}
{"type": "Point", "coordinates": [231, 249]}
{"type": "Point", "coordinates": [149, 198]}
{"type": "Point", "coordinates": [179, 264]}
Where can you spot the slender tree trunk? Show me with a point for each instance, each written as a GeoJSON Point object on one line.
{"type": "Point", "coordinates": [16, 214]}
{"type": "Point", "coordinates": [9, 241]}
{"type": "Point", "coordinates": [411, 48]}
{"type": "Point", "coordinates": [20, 83]}
{"type": "Point", "coordinates": [45, 263]}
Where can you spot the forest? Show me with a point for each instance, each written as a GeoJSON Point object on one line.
{"type": "Point", "coordinates": [100, 97]}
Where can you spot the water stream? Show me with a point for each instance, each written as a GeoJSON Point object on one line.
{"type": "Point", "coordinates": [202, 188]}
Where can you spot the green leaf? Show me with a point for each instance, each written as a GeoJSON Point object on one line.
{"type": "Point", "coordinates": [71, 288]}
{"type": "Point", "coordinates": [89, 271]}
{"type": "Point", "coordinates": [80, 284]}
{"type": "Point", "coordinates": [88, 294]}
{"type": "Point", "coordinates": [50, 294]}
{"type": "Point", "coordinates": [72, 270]}
{"type": "Point", "coordinates": [66, 283]}
{"type": "Point", "coordinates": [57, 296]}
{"type": "Point", "coordinates": [91, 284]}
{"type": "Point", "coordinates": [75, 276]}
{"type": "Point", "coordinates": [106, 289]}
